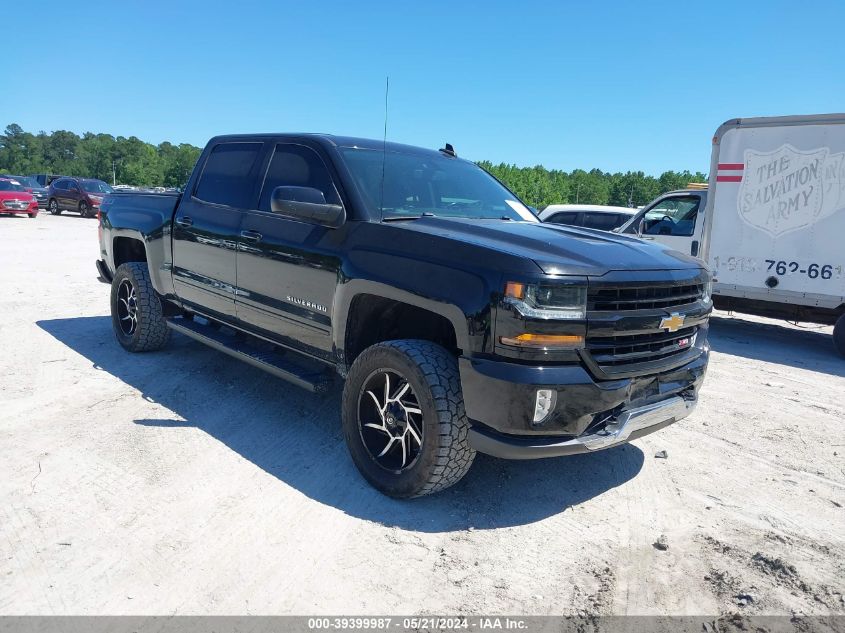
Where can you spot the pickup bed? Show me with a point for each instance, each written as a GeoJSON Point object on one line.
{"type": "Point", "coordinates": [456, 320]}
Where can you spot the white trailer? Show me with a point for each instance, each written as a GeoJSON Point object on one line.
{"type": "Point", "coordinates": [771, 223]}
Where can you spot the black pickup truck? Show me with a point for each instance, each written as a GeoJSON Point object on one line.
{"type": "Point", "coordinates": [458, 321]}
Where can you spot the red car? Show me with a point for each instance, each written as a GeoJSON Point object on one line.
{"type": "Point", "coordinates": [14, 198]}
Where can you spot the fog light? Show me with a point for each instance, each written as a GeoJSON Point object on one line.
{"type": "Point", "coordinates": [545, 402]}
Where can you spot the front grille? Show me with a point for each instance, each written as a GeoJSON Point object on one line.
{"type": "Point", "coordinates": [629, 322]}
{"type": "Point", "coordinates": [615, 351]}
{"type": "Point", "coordinates": [19, 205]}
{"type": "Point", "coordinates": [643, 297]}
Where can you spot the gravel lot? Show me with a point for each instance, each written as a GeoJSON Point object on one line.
{"type": "Point", "coordinates": [186, 482]}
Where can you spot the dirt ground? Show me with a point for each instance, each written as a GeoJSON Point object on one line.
{"type": "Point", "coordinates": [185, 482]}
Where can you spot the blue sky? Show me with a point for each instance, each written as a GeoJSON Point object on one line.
{"type": "Point", "coordinates": [614, 85]}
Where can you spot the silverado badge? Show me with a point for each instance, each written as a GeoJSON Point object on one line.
{"type": "Point", "coordinates": [672, 323]}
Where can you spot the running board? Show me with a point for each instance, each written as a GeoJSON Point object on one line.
{"type": "Point", "coordinates": [307, 374]}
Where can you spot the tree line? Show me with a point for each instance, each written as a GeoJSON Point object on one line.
{"type": "Point", "coordinates": [131, 161]}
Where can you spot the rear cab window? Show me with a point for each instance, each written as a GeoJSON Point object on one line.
{"type": "Point", "coordinates": [227, 177]}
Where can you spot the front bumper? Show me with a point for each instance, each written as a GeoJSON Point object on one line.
{"type": "Point", "coordinates": [628, 425]}
{"type": "Point", "coordinates": [589, 414]}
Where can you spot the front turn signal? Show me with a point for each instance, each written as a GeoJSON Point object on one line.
{"type": "Point", "coordinates": [545, 341]}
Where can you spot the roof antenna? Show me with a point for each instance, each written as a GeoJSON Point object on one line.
{"type": "Point", "coordinates": [449, 150]}
{"type": "Point", "coordinates": [384, 145]}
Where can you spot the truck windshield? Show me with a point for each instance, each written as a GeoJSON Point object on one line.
{"type": "Point", "coordinates": [415, 184]}
{"type": "Point", "coordinates": [26, 181]}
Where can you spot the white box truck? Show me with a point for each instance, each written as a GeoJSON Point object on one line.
{"type": "Point", "coordinates": [771, 221]}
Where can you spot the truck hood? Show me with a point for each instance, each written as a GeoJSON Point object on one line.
{"type": "Point", "coordinates": [558, 249]}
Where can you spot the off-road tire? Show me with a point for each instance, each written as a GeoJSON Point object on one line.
{"type": "Point", "coordinates": [445, 455]}
{"type": "Point", "coordinates": [151, 332]}
{"type": "Point", "coordinates": [839, 335]}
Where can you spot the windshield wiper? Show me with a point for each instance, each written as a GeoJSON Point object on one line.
{"type": "Point", "coordinates": [399, 218]}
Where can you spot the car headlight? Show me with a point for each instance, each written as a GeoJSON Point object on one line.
{"type": "Point", "coordinates": [707, 291]}
{"type": "Point", "coordinates": [547, 300]}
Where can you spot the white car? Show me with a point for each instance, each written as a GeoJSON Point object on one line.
{"type": "Point", "coordinates": [590, 216]}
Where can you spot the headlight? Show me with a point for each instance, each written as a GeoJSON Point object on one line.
{"type": "Point", "coordinates": [707, 292]}
{"type": "Point", "coordinates": [548, 300]}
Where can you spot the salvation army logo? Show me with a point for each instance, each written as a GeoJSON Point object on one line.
{"type": "Point", "coordinates": [783, 190]}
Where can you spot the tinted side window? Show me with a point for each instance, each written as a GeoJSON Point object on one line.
{"type": "Point", "coordinates": [297, 166]}
{"type": "Point", "coordinates": [60, 184]}
{"type": "Point", "coordinates": [673, 216]}
{"type": "Point", "coordinates": [566, 217]}
{"type": "Point", "coordinates": [601, 221]}
{"type": "Point", "coordinates": [226, 178]}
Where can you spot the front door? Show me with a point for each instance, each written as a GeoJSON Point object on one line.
{"type": "Point", "coordinates": [288, 269]}
{"type": "Point", "coordinates": [675, 220]}
{"type": "Point", "coordinates": [206, 225]}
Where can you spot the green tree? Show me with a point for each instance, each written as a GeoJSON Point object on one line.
{"type": "Point", "coordinates": [135, 162]}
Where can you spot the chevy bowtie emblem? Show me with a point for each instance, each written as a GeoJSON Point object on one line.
{"type": "Point", "coordinates": [672, 323]}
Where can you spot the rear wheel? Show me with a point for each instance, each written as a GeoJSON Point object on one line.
{"type": "Point", "coordinates": [53, 207]}
{"type": "Point", "coordinates": [839, 335]}
{"type": "Point", "coordinates": [403, 418]}
{"type": "Point", "coordinates": [136, 311]}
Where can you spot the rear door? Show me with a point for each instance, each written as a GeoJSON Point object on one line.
{"type": "Point", "coordinates": [288, 269]}
{"type": "Point", "coordinates": [206, 226]}
{"type": "Point", "coordinates": [65, 192]}
{"type": "Point", "coordinates": [74, 194]}
{"type": "Point", "coordinates": [57, 193]}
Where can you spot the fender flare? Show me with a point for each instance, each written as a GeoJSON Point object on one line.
{"type": "Point", "coordinates": [347, 292]}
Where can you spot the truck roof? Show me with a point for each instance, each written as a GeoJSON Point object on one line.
{"type": "Point", "coordinates": [333, 140]}
{"type": "Point", "coordinates": [686, 190]}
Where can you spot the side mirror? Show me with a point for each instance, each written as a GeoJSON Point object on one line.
{"type": "Point", "coordinates": [307, 204]}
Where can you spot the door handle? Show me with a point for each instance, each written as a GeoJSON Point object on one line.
{"type": "Point", "coordinates": [252, 236]}
{"type": "Point", "coordinates": [184, 221]}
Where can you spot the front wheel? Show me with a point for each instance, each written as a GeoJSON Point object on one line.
{"type": "Point", "coordinates": [136, 311]}
{"type": "Point", "coordinates": [404, 420]}
{"type": "Point", "coordinates": [53, 207]}
{"type": "Point", "coordinates": [84, 210]}
{"type": "Point", "coordinates": [839, 335]}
